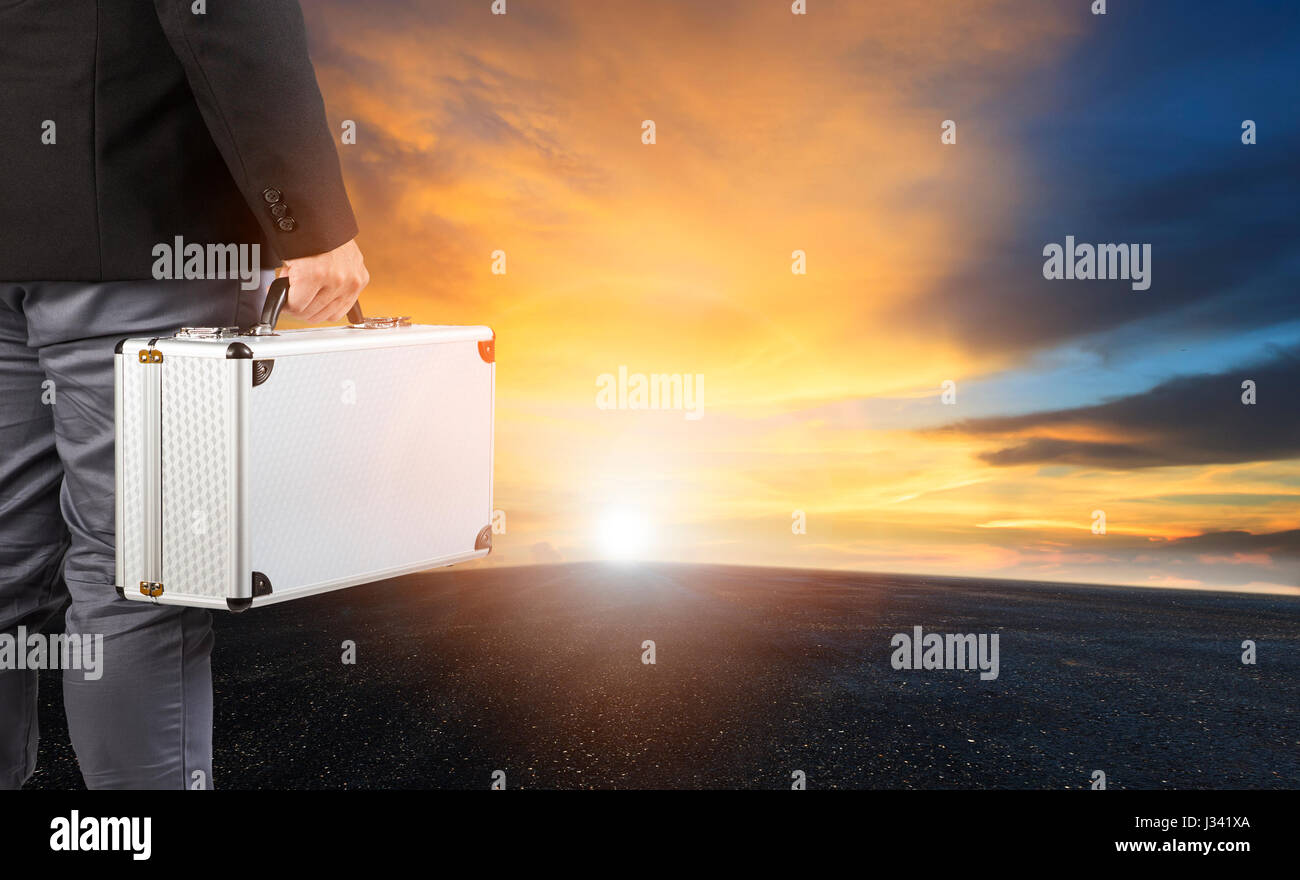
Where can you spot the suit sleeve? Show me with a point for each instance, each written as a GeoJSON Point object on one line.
{"type": "Point", "coordinates": [246, 62]}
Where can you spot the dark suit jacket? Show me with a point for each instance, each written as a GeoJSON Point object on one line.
{"type": "Point", "coordinates": [209, 127]}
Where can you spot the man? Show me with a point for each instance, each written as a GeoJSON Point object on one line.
{"type": "Point", "coordinates": [129, 128]}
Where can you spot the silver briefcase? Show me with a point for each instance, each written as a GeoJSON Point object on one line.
{"type": "Point", "coordinates": [256, 465]}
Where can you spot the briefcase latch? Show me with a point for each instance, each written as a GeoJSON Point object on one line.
{"type": "Point", "coordinates": [152, 589]}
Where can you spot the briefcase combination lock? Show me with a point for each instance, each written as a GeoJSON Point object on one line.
{"type": "Point", "coordinates": [379, 323]}
{"type": "Point", "coordinates": [207, 332]}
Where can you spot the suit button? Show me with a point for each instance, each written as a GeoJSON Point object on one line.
{"type": "Point", "coordinates": [272, 195]}
{"type": "Point", "coordinates": [287, 224]}
{"type": "Point", "coordinates": [280, 210]}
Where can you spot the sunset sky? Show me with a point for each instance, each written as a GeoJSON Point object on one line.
{"type": "Point", "coordinates": [821, 392]}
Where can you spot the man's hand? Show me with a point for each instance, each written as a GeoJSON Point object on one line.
{"type": "Point", "coordinates": [323, 287]}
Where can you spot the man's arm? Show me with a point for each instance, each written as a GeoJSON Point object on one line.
{"type": "Point", "coordinates": [247, 65]}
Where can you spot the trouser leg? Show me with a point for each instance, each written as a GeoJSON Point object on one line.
{"type": "Point", "coordinates": [146, 721]}
{"type": "Point", "coordinates": [32, 534]}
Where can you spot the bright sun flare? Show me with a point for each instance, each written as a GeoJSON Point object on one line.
{"type": "Point", "coordinates": [623, 534]}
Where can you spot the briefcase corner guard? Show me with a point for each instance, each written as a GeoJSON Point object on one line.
{"type": "Point", "coordinates": [261, 587]}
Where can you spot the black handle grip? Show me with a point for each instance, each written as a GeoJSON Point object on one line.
{"type": "Point", "coordinates": [278, 295]}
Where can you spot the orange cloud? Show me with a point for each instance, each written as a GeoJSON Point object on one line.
{"type": "Point", "coordinates": [521, 135]}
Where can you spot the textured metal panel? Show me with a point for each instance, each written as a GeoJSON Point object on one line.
{"type": "Point", "coordinates": [197, 526]}
{"type": "Point", "coordinates": [133, 433]}
{"type": "Point", "coordinates": [364, 461]}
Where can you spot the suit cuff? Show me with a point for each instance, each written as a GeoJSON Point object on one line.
{"type": "Point", "coordinates": [298, 229]}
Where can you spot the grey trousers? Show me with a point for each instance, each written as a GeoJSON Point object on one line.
{"type": "Point", "coordinates": [146, 721]}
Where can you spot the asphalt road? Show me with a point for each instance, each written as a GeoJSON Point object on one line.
{"type": "Point", "coordinates": [759, 673]}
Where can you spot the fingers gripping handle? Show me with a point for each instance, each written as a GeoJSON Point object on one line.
{"type": "Point", "coordinates": [277, 296]}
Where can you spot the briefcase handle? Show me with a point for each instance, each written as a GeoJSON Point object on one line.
{"type": "Point", "coordinates": [277, 296]}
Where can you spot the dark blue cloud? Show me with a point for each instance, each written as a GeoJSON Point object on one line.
{"type": "Point", "coordinates": [1135, 136]}
{"type": "Point", "coordinates": [1190, 420]}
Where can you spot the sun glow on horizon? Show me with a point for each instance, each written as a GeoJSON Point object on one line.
{"type": "Point", "coordinates": [623, 534]}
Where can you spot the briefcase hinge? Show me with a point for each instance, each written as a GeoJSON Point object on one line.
{"type": "Point", "coordinates": [152, 589]}
{"type": "Point", "coordinates": [150, 356]}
